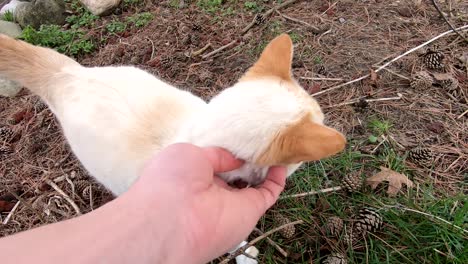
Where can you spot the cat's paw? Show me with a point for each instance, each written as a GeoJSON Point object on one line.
{"type": "Point", "coordinates": [251, 251]}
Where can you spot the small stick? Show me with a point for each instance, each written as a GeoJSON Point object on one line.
{"type": "Point", "coordinates": [397, 74]}
{"type": "Point", "coordinates": [464, 113]}
{"type": "Point", "coordinates": [251, 243]}
{"type": "Point", "coordinates": [219, 49]}
{"type": "Point", "coordinates": [398, 97]}
{"type": "Point", "coordinates": [436, 5]}
{"type": "Point", "coordinates": [61, 192]}
{"type": "Point", "coordinates": [322, 79]}
{"type": "Point", "coordinates": [273, 243]}
{"type": "Point", "coordinates": [11, 213]}
{"type": "Point", "coordinates": [404, 208]}
{"type": "Point", "coordinates": [200, 51]}
{"type": "Point", "coordinates": [327, 190]}
{"type": "Point", "coordinates": [391, 61]}
{"type": "Point", "coordinates": [378, 145]}
{"type": "Point", "coordinates": [298, 21]}
{"type": "Point", "coordinates": [152, 46]}
{"type": "Point", "coordinates": [267, 13]}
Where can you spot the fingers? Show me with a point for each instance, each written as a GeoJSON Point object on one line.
{"type": "Point", "coordinates": [221, 160]}
{"type": "Point", "coordinates": [273, 186]}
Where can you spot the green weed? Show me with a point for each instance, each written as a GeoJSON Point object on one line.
{"type": "Point", "coordinates": [253, 6]}
{"type": "Point", "coordinates": [72, 42]}
{"type": "Point", "coordinates": [210, 6]}
{"type": "Point", "coordinates": [140, 20]}
{"type": "Point", "coordinates": [8, 16]}
{"type": "Point", "coordinates": [116, 27]}
{"type": "Point", "coordinates": [379, 127]}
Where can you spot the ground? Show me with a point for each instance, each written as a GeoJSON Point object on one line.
{"type": "Point", "coordinates": [335, 42]}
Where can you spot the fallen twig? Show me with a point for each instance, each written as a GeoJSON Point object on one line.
{"type": "Point", "coordinates": [436, 5]}
{"type": "Point", "coordinates": [464, 113]}
{"type": "Point", "coordinates": [61, 192]}
{"type": "Point", "coordinates": [273, 243]}
{"type": "Point", "coordinates": [404, 208]}
{"type": "Point", "coordinates": [10, 214]}
{"type": "Point", "coordinates": [200, 51]}
{"type": "Point", "coordinates": [391, 61]}
{"type": "Point", "coordinates": [327, 190]}
{"type": "Point", "coordinates": [322, 79]}
{"type": "Point", "coordinates": [251, 243]}
{"type": "Point", "coordinates": [398, 97]}
{"type": "Point", "coordinates": [265, 15]}
{"type": "Point", "coordinates": [219, 49]}
{"type": "Point", "coordinates": [298, 21]}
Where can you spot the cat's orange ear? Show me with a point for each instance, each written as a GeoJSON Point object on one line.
{"type": "Point", "coordinates": [303, 141]}
{"type": "Point", "coordinates": [276, 60]}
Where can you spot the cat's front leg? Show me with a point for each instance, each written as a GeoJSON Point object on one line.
{"type": "Point", "coordinates": [251, 251]}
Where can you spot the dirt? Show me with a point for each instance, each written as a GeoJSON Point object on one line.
{"type": "Point", "coordinates": [345, 40]}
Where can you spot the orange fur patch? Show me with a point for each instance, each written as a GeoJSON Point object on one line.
{"type": "Point", "coordinates": [303, 141]}
{"type": "Point", "coordinates": [276, 60]}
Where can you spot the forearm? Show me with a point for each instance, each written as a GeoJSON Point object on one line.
{"type": "Point", "coordinates": [111, 234]}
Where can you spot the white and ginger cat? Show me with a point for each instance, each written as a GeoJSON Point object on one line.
{"type": "Point", "coordinates": [116, 118]}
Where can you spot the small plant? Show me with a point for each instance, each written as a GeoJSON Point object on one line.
{"type": "Point", "coordinates": [84, 19]}
{"type": "Point", "coordinates": [70, 42]}
{"type": "Point", "coordinates": [8, 16]}
{"type": "Point", "coordinates": [253, 6]}
{"type": "Point", "coordinates": [210, 6]}
{"type": "Point", "coordinates": [116, 27]}
{"type": "Point", "coordinates": [295, 37]}
{"type": "Point", "coordinates": [140, 20]}
{"type": "Point", "coordinates": [379, 127]}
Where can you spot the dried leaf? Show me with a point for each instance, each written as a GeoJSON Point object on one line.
{"type": "Point", "coordinates": [315, 88]}
{"type": "Point", "coordinates": [395, 180]}
{"type": "Point", "coordinates": [6, 206]}
{"type": "Point", "coordinates": [373, 78]}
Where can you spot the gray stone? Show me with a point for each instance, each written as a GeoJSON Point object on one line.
{"type": "Point", "coordinates": [40, 12]}
{"type": "Point", "coordinates": [9, 88]}
{"type": "Point", "coordinates": [10, 29]}
{"type": "Point", "coordinates": [100, 7]}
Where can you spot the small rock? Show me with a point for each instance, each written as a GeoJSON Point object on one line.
{"type": "Point", "coordinates": [10, 29]}
{"type": "Point", "coordinates": [10, 7]}
{"type": "Point", "coordinates": [9, 88]}
{"type": "Point", "coordinates": [342, 20]}
{"type": "Point", "coordinates": [40, 12]}
{"type": "Point", "coordinates": [100, 7]}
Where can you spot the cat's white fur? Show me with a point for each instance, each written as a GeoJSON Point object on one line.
{"type": "Point", "coordinates": [116, 118]}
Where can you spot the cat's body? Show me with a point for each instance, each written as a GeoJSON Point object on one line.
{"type": "Point", "coordinates": [116, 118]}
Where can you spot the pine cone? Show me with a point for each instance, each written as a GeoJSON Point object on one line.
{"type": "Point", "coordinates": [352, 182]}
{"type": "Point", "coordinates": [260, 19]}
{"type": "Point", "coordinates": [421, 80]}
{"type": "Point", "coordinates": [6, 134]}
{"type": "Point", "coordinates": [449, 84]}
{"type": "Point", "coordinates": [287, 232]}
{"type": "Point", "coordinates": [334, 226]}
{"type": "Point", "coordinates": [336, 258]}
{"type": "Point", "coordinates": [421, 156]}
{"type": "Point", "coordinates": [368, 220]}
{"type": "Point", "coordinates": [196, 27]}
{"type": "Point", "coordinates": [40, 106]}
{"type": "Point", "coordinates": [351, 237]}
{"type": "Point", "coordinates": [166, 61]}
{"type": "Point", "coordinates": [434, 60]}
{"type": "Point", "coordinates": [5, 150]}
{"type": "Point", "coordinates": [321, 70]}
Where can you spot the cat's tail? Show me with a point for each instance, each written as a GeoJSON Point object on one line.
{"type": "Point", "coordinates": [34, 67]}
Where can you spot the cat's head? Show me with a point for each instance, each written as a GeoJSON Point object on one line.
{"type": "Point", "coordinates": [267, 119]}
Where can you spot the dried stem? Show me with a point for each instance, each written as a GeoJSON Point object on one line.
{"type": "Point", "coordinates": [219, 49]}
{"type": "Point", "coordinates": [391, 61]}
{"type": "Point", "coordinates": [11, 213]}
{"type": "Point", "coordinates": [61, 192]}
{"type": "Point", "coordinates": [273, 243]}
{"type": "Point", "coordinates": [398, 97]}
{"type": "Point", "coordinates": [241, 250]}
{"type": "Point", "coordinates": [436, 5]}
{"type": "Point", "coordinates": [332, 189]}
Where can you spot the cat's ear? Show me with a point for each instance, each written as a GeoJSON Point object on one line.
{"type": "Point", "coordinates": [276, 60]}
{"type": "Point", "coordinates": [303, 141]}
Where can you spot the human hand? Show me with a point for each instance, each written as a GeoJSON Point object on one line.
{"type": "Point", "coordinates": [210, 218]}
